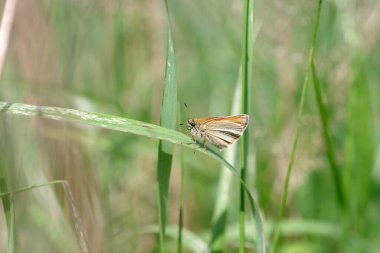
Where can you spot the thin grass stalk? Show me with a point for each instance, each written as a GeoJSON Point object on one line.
{"type": "Point", "coordinates": [296, 131]}
{"type": "Point", "coordinates": [180, 216]}
{"type": "Point", "coordinates": [326, 135]}
{"type": "Point", "coordinates": [168, 120]}
{"type": "Point", "coordinates": [246, 74]}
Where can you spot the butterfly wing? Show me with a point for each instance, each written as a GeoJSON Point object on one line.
{"type": "Point", "coordinates": [223, 131]}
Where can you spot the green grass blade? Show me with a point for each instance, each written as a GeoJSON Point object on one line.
{"type": "Point", "coordinates": [11, 228]}
{"type": "Point", "coordinates": [219, 219]}
{"type": "Point", "coordinates": [296, 131]}
{"type": "Point", "coordinates": [246, 78]}
{"type": "Point", "coordinates": [168, 120]}
{"type": "Point", "coordinates": [328, 141]}
{"type": "Point", "coordinates": [8, 211]}
{"type": "Point", "coordinates": [180, 216]}
{"type": "Point", "coordinates": [259, 224]}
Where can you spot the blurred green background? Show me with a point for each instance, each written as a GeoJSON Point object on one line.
{"type": "Point", "coordinates": [108, 56]}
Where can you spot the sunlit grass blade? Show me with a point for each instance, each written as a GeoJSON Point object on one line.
{"type": "Point", "coordinates": [109, 122]}
{"type": "Point", "coordinates": [296, 131]}
{"type": "Point", "coordinates": [326, 135]}
{"type": "Point", "coordinates": [246, 80]}
{"type": "Point", "coordinates": [168, 120]}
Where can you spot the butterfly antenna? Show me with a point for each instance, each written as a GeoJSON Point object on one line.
{"type": "Point", "coordinates": [181, 124]}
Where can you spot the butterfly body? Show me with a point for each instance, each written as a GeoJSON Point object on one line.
{"type": "Point", "coordinates": [218, 131]}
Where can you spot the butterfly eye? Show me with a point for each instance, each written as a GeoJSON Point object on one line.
{"type": "Point", "coordinates": [190, 124]}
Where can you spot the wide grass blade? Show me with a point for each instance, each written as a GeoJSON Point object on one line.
{"type": "Point", "coordinates": [168, 120]}
{"type": "Point", "coordinates": [326, 135]}
{"type": "Point", "coordinates": [110, 122]}
{"type": "Point", "coordinates": [134, 127]}
{"type": "Point", "coordinates": [298, 124]}
{"type": "Point", "coordinates": [246, 80]}
{"type": "Point", "coordinates": [219, 219]}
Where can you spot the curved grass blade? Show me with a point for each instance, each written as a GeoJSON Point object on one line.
{"type": "Point", "coordinates": [168, 120]}
{"type": "Point", "coordinates": [296, 131]}
{"type": "Point", "coordinates": [328, 142]}
{"type": "Point", "coordinates": [134, 127]}
{"type": "Point", "coordinates": [109, 122]}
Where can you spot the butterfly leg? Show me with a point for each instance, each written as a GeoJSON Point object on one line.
{"type": "Point", "coordinates": [195, 142]}
{"type": "Point", "coordinates": [203, 138]}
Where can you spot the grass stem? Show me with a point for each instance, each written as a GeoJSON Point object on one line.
{"type": "Point", "coordinates": [246, 74]}
{"type": "Point", "coordinates": [297, 129]}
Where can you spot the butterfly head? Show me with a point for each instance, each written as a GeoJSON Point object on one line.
{"type": "Point", "coordinates": [190, 124]}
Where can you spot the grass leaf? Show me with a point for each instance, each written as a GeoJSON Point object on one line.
{"type": "Point", "coordinates": [168, 120]}
{"type": "Point", "coordinates": [219, 219]}
{"type": "Point", "coordinates": [110, 122]}
{"type": "Point", "coordinates": [298, 123]}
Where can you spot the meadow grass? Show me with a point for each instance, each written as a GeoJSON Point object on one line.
{"type": "Point", "coordinates": [309, 160]}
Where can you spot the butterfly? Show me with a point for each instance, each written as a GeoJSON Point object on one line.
{"type": "Point", "coordinates": [218, 131]}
